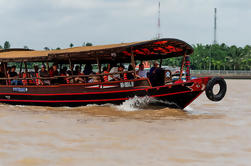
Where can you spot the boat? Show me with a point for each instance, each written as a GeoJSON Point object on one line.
{"type": "Point", "coordinates": [173, 93]}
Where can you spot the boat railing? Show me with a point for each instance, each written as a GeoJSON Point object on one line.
{"type": "Point", "coordinates": [68, 76]}
{"type": "Point", "coordinates": [100, 83]}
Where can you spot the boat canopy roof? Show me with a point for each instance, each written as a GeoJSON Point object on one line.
{"type": "Point", "coordinates": [144, 50]}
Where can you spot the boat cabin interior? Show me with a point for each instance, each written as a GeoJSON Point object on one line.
{"type": "Point", "coordinates": [94, 66]}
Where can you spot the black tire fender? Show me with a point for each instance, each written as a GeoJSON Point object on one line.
{"type": "Point", "coordinates": [210, 85]}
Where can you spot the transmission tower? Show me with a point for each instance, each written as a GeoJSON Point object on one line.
{"type": "Point", "coordinates": [215, 37]}
{"type": "Point", "coordinates": [215, 26]}
{"type": "Point", "coordinates": [158, 34]}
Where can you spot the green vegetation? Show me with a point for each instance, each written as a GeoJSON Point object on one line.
{"type": "Point", "coordinates": [71, 45]}
{"type": "Point", "coordinates": [214, 57]}
{"type": "Point", "coordinates": [6, 45]}
{"type": "Point", "coordinates": [88, 44]}
{"type": "Point", "coordinates": [46, 48]}
{"type": "Point", "coordinates": [222, 57]}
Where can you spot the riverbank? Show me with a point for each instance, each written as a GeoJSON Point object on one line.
{"type": "Point", "coordinates": [227, 74]}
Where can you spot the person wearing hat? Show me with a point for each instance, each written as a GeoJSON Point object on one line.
{"type": "Point", "coordinates": [154, 68]}
{"type": "Point", "coordinates": [155, 73]}
{"type": "Point", "coordinates": [43, 72]}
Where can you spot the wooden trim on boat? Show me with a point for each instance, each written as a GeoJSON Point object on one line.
{"type": "Point", "coordinates": [80, 84]}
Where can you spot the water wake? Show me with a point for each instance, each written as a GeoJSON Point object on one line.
{"type": "Point", "coordinates": [134, 104]}
{"type": "Point", "coordinates": [143, 103]}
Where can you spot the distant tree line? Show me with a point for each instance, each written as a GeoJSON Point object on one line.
{"type": "Point", "coordinates": [8, 46]}
{"type": "Point", "coordinates": [71, 45]}
{"type": "Point", "coordinates": [217, 57]}
{"type": "Point", "coordinates": [204, 57]}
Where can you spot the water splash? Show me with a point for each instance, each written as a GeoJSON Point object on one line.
{"type": "Point", "coordinates": [143, 103]}
{"type": "Point", "coordinates": [189, 109]}
{"type": "Point", "coordinates": [134, 104]}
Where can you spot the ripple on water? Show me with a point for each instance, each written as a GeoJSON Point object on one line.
{"type": "Point", "coordinates": [31, 161]}
{"type": "Point", "coordinates": [205, 133]}
{"type": "Point", "coordinates": [143, 108]}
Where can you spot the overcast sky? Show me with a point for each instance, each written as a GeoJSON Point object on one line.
{"type": "Point", "coordinates": [57, 23]}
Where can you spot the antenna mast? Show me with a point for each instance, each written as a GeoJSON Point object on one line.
{"type": "Point", "coordinates": [159, 35]}
{"type": "Point", "coordinates": [215, 37]}
{"type": "Point", "coordinates": [215, 26]}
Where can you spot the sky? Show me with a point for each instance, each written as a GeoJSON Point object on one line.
{"type": "Point", "coordinates": [57, 23]}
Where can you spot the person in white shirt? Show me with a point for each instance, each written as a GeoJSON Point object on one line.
{"type": "Point", "coordinates": [114, 77]}
{"type": "Point", "coordinates": [141, 72]}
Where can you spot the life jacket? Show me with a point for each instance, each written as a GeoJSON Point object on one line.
{"type": "Point", "coordinates": [125, 76]}
{"type": "Point", "coordinates": [31, 81]}
{"type": "Point", "coordinates": [105, 76]}
{"type": "Point", "coordinates": [24, 81]}
{"type": "Point", "coordinates": [37, 80]}
{"type": "Point", "coordinates": [51, 74]}
{"type": "Point", "coordinates": [67, 80]}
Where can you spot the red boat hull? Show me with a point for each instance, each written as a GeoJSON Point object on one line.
{"type": "Point", "coordinates": [177, 95]}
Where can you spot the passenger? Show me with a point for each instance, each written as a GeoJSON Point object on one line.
{"type": "Point", "coordinates": [77, 70]}
{"type": "Point", "coordinates": [121, 69]}
{"type": "Point", "coordinates": [54, 72]}
{"type": "Point", "coordinates": [130, 76]}
{"type": "Point", "coordinates": [33, 74]}
{"type": "Point", "coordinates": [8, 70]}
{"type": "Point", "coordinates": [141, 72]}
{"type": "Point", "coordinates": [94, 78]}
{"type": "Point", "coordinates": [152, 73]}
{"type": "Point", "coordinates": [2, 75]}
{"type": "Point", "coordinates": [105, 71]}
{"type": "Point", "coordinates": [154, 68]}
{"type": "Point", "coordinates": [13, 74]}
{"type": "Point", "coordinates": [70, 71]}
{"type": "Point", "coordinates": [76, 73]}
{"type": "Point", "coordinates": [109, 67]}
{"type": "Point", "coordinates": [114, 77]}
{"type": "Point", "coordinates": [88, 71]}
{"type": "Point", "coordinates": [24, 76]}
{"type": "Point", "coordinates": [157, 75]}
{"type": "Point", "coordinates": [63, 72]}
{"type": "Point", "coordinates": [43, 73]}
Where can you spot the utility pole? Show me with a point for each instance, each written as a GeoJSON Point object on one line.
{"type": "Point", "coordinates": [215, 26]}
{"type": "Point", "coordinates": [158, 34]}
{"type": "Point", "coordinates": [215, 37]}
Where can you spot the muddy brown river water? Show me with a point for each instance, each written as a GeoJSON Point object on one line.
{"type": "Point", "coordinates": [206, 133]}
